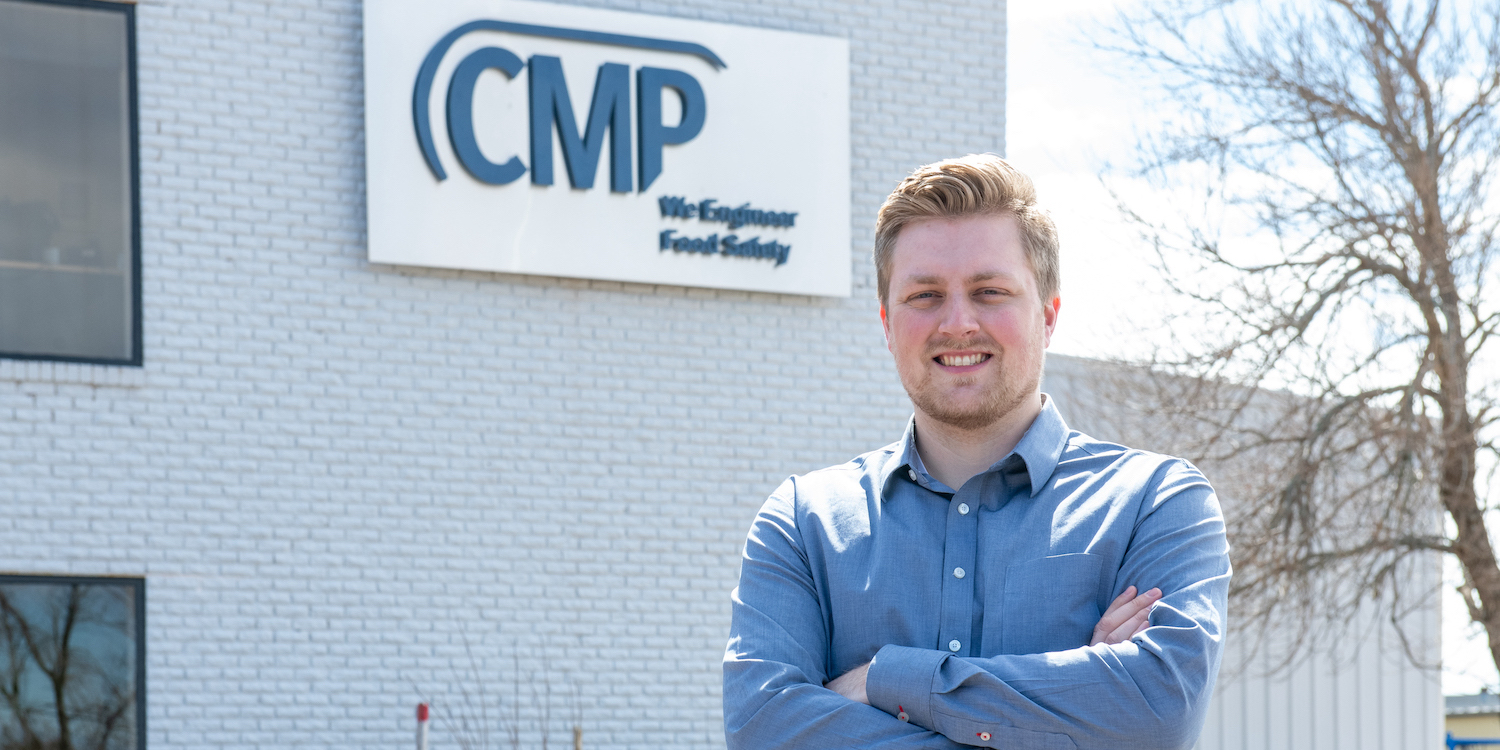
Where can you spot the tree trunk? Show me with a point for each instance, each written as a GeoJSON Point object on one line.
{"type": "Point", "coordinates": [59, 672]}
{"type": "Point", "coordinates": [1472, 545]}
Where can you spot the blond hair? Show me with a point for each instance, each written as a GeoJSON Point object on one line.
{"type": "Point", "coordinates": [974, 185]}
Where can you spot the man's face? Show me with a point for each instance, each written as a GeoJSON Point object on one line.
{"type": "Point", "coordinates": [964, 319]}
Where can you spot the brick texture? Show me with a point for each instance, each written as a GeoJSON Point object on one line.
{"type": "Point", "coordinates": [354, 486]}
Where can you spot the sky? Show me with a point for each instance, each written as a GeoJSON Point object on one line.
{"type": "Point", "coordinates": [1069, 120]}
{"type": "Point", "coordinates": [1073, 114]}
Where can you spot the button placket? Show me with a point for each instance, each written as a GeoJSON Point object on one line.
{"type": "Point", "coordinates": [955, 621]}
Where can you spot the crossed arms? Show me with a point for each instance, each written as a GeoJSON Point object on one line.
{"type": "Point", "coordinates": [1126, 618]}
{"type": "Point", "coordinates": [1149, 690]}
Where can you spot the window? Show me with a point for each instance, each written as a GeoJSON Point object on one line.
{"type": "Point", "coordinates": [83, 639]}
{"type": "Point", "coordinates": [69, 210]}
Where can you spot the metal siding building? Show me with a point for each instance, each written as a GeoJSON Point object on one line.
{"type": "Point", "coordinates": [1368, 693]}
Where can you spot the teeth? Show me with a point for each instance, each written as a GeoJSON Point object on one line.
{"type": "Point", "coordinates": [964, 361]}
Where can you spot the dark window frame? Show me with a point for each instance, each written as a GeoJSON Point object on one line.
{"type": "Point", "coordinates": [136, 358]}
{"type": "Point", "coordinates": [138, 592]}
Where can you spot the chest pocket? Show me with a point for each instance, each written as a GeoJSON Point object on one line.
{"type": "Point", "coordinates": [1050, 604]}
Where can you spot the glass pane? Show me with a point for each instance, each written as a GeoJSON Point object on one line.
{"type": "Point", "coordinates": [65, 202]}
{"type": "Point", "coordinates": [75, 640]}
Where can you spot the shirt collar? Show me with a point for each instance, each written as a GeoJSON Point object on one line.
{"type": "Point", "coordinates": [913, 461]}
{"type": "Point", "coordinates": [1042, 445]}
{"type": "Point", "coordinates": [1040, 449]}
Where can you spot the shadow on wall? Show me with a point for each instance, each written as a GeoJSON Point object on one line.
{"type": "Point", "coordinates": [509, 708]}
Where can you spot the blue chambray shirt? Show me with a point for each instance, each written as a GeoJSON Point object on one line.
{"type": "Point", "coordinates": [977, 606]}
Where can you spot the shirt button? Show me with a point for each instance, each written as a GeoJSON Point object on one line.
{"type": "Point", "coordinates": [902, 716]}
{"type": "Point", "coordinates": [958, 572]}
{"type": "Point", "coordinates": [954, 645]}
{"type": "Point", "coordinates": [984, 736]}
{"type": "Point", "coordinates": [912, 473]}
{"type": "Point", "coordinates": [963, 509]}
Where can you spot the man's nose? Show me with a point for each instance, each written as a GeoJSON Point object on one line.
{"type": "Point", "coordinates": [959, 320]}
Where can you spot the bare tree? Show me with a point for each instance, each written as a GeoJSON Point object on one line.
{"type": "Point", "coordinates": [1338, 266]}
{"type": "Point", "coordinates": [18, 732]}
{"type": "Point", "coordinates": [521, 710]}
{"type": "Point", "coordinates": [48, 644]}
{"type": "Point", "coordinates": [65, 694]}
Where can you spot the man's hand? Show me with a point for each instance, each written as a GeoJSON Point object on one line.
{"type": "Point", "coordinates": [1127, 615]}
{"type": "Point", "coordinates": [851, 684]}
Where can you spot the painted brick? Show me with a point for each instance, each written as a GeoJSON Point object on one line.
{"type": "Point", "coordinates": [353, 486]}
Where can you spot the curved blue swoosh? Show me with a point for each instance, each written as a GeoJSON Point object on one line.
{"type": "Point", "coordinates": [422, 92]}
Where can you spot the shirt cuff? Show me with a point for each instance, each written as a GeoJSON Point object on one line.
{"type": "Point", "coordinates": [900, 679]}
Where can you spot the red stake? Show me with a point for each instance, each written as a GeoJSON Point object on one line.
{"type": "Point", "coordinates": [421, 726]}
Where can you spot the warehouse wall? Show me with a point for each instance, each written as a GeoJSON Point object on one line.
{"type": "Point", "coordinates": [352, 486]}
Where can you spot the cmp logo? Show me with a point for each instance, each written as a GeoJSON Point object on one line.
{"type": "Point", "coordinates": [560, 140]}
{"type": "Point", "coordinates": [551, 107]}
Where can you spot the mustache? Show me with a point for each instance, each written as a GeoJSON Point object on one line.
{"type": "Point", "coordinates": [973, 343]}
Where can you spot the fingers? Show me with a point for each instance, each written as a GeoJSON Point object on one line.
{"type": "Point", "coordinates": [1120, 610]}
{"type": "Point", "coordinates": [1125, 596]}
{"type": "Point", "coordinates": [1138, 622]}
{"type": "Point", "coordinates": [1127, 616]}
{"type": "Point", "coordinates": [1145, 623]}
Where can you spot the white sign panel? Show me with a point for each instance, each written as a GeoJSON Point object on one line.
{"type": "Point", "coordinates": [533, 138]}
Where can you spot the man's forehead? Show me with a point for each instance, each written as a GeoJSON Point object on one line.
{"type": "Point", "coordinates": [968, 245]}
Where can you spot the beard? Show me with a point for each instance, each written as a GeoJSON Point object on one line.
{"type": "Point", "coordinates": [1009, 392]}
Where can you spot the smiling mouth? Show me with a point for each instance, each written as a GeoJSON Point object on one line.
{"type": "Point", "coordinates": [960, 360]}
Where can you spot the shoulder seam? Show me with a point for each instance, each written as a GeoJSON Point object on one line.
{"type": "Point", "coordinates": [857, 463]}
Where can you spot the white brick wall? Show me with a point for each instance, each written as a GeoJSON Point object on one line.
{"type": "Point", "coordinates": [333, 474]}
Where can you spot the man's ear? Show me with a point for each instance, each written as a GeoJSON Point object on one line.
{"type": "Point", "coordinates": [885, 326]}
{"type": "Point", "coordinates": [1049, 315]}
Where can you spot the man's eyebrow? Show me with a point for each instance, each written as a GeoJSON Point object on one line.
{"type": "Point", "coordinates": [973, 279]}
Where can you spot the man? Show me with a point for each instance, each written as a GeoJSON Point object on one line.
{"type": "Point", "coordinates": [946, 590]}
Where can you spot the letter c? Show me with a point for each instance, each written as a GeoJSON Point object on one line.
{"type": "Point", "coordinates": [461, 115]}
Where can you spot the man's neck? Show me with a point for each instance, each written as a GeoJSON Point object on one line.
{"type": "Point", "coordinates": [953, 455]}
